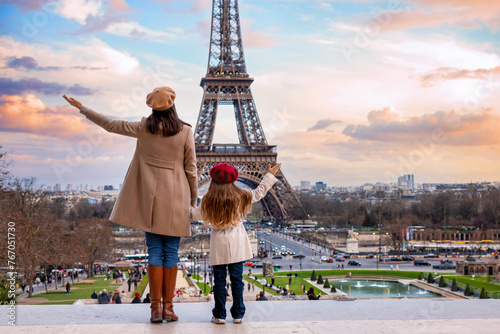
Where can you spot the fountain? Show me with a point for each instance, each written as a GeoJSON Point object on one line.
{"type": "Point", "coordinates": [377, 289]}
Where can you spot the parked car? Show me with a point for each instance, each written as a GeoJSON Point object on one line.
{"type": "Point", "coordinates": [420, 262]}
{"type": "Point", "coordinates": [353, 263]}
{"type": "Point", "coordinates": [340, 259]}
{"type": "Point", "coordinates": [370, 256]}
{"type": "Point", "coordinates": [396, 259]}
{"type": "Point", "coordinates": [299, 256]}
{"type": "Point", "coordinates": [257, 264]}
{"type": "Point", "coordinates": [470, 258]}
{"type": "Point", "coordinates": [445, 265]}
{"type": "Point", "coordinates": [324, 258]}
{"type": "Point", "coordinates": [329, 260]}
{"type": "Point", "coordinates": [407, 258]}
{"type": "Point", "coordinates": [250, 263]}
{"type": "Point", "coordinates": [430, 255]}
{"type": "Point", "coordinates": [277, 256]}
{"type": "Point", "coordinates": [277, 265]}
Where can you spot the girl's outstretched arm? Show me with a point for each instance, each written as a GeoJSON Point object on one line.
{"type": "Point", "coordinates": [125, 128]}
{"type": "Point", "coordinates": [265, 184]}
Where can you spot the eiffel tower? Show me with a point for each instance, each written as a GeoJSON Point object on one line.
{"type": "Point", "coordinates": [228, 83]}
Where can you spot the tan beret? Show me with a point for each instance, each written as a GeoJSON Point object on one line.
{"type": "Point", "coordinates": [161, 98]}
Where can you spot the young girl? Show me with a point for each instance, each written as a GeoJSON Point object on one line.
{"type": "Point", "coordinates": [223, 208]}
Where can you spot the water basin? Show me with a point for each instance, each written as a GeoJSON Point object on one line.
{"type": "Point", "coordinates": [374, 289]}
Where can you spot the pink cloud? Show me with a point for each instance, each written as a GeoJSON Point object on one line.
{"type": "Point", "coordinates": [29, 114]}
{"type": "Point", "coordinates": [429, 13]}
{"type": "Point", "coordinates": [449, 73]}
{"type": "Point", "coordinates": [443, 127]}
{"type": "Point", "coordinates": [253, 38]}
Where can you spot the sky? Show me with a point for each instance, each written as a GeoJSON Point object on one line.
{"type": "Point", "coordinates": [351, 92]}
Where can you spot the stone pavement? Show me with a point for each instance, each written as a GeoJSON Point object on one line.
{"type": "Point", "coordinates": [328, 316]}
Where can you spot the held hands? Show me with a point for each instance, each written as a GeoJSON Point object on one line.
{"type": "Point", "coordinates": [273, 170]}
{"type": "Point", "coordinates": [73, 102]}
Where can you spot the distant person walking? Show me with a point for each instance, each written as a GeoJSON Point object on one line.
{"type": "Point", "coordinates": [160, 185]}
{"type": "Point", "coordinates": [68, 288]}
{"type": "Point", "coordinates": [223, 208]}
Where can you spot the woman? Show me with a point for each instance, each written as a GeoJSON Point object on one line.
{"type": "Point", "coordinates": [160, 184]}
{"type": "Point", "coordinates": [116, 297]}
{"type": "Point", "coordinates": [311, 295]}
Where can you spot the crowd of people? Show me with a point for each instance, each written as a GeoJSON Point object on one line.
{"type": "Point", "coordinates": [116, 296]}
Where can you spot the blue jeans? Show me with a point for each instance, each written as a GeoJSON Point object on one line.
{"type": "Point", "coordinates": [220, 292]}
{"type": "Point", "coordinates": [162, 250]}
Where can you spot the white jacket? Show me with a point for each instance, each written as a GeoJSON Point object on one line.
{"type": "Point", "coordinates": [231, 244]}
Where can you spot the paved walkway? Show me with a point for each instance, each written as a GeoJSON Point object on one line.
{"type": "Point", "coordinates": [328, 316]}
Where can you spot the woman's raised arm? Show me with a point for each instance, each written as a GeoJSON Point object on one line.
{"type": "Point", "coordinates": [125, 128]}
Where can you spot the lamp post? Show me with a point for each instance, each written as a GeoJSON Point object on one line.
{"type": "Point", "coordinates": [205, 272]}
{"type": "Point", "coordinates": [379, 244]}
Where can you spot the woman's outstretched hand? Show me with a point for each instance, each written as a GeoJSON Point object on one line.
{"type": "Point", "coordinates": [273, 170]}
{"type": "Point", "coordinates": [73, 102]}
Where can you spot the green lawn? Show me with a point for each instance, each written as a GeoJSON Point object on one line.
{"type": "Point", "coordinates": [200, 284]}
{"type": "Point", "coordinates": [79, 291]}
{"type": "Point", "coordinates": [259, 286]}
{"type": "Point", "coordinates": [282, 281]}
{"type": "Point", "coordinates": [478, 282]}
{"type": "Point", "coordinates": [66, 302]}
{"type": "Point", "coordinates": [343, 273]}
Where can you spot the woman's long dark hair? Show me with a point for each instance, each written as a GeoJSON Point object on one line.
{"type": "Point", "coordinates": [165, 122]}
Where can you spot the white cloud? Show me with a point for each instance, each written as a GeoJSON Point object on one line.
{"type": "Point", "coordinates": [79, 10]}
{"type": "Point", "coordinates": [136, 31]}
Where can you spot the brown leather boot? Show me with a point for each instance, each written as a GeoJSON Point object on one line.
{"type": "Point", "coordinates": [169, 278]}
{"type": "Point", "coordinates": [155, 275]}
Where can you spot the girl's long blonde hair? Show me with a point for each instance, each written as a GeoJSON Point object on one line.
{"type": "Point", "coordinates": [225, 204]}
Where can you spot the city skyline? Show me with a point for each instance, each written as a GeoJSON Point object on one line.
{"type": "Point", "coordinates": [357, 92]}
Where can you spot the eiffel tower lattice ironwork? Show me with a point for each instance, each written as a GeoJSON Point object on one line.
{"type": "Point", "coordinates": [228, 83]}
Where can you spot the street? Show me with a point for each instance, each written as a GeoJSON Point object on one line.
{"type": "Point", "coordinates": [277, 240]}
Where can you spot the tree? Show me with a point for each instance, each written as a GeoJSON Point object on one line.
{"type": "Point", "coordinates": [468, 290]}
{"type": "Point", "coordinates": [313, 276]}
{"type": "Point", "coordinates": [454, 285]}
{"type": "Point", "coordinates": [468, 206]}
{"type": "Point", "coordinates": [491, 209]}
{"type": "Point", "coordinates": [95, 240]}
{"type": "Point", "coordinates": [430, 279]}
{"type": "Point", "coordinates": [4, 165]}
{"type": "Point", "coordinates": [26, 206]}
{"type": "Point", "coordinates": [442, 283]}
{"type": "Point", "coordinates": [320, 279]}
{"type": "Point", "coordinates": [333, 289]}
{"type": "Point", "coordinates": [420, 276]}
{"type": "Point", "coordinates": [443, 206]}
{"type": "Point", "coordinates": [327, 284]}
{"type": "Point", "coordinates": [398, 231]}
{"type": "Point", "coordinates": [367, 221]}
{"type": "Point", "coordinates": [483, 294]}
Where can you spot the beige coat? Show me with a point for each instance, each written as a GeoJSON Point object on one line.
{"type": "Point", "coordinates": [161, 179]}
{"type": "Point", "coordinates": [231, 244]}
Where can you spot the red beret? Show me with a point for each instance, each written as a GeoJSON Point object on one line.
{"type": "Point", "coordinates": [224, 173]}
